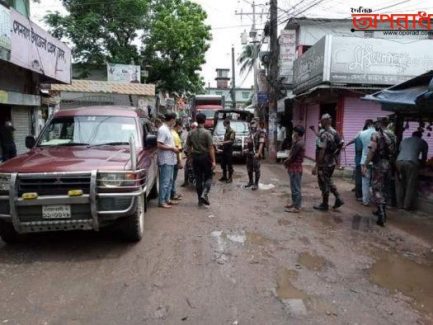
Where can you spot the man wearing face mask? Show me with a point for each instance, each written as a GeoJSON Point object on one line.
{"type": "Point", "coordinates": [227, 154]}
{"type": "Point", "coordinates": [255, 144]}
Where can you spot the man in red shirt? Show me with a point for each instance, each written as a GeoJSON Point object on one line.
{"type": "Point", "coordinates": [294, 167]}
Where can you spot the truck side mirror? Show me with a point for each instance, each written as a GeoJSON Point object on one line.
{"type": "Point", "coordinates": [30, 142]}
{"type": "Point", "coordinates": [150, 141]}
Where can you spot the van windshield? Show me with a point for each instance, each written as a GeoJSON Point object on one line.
{"type": "Point", "coordinates": [240, 127]}
{"type": "Point", "coordinates": [89, 130]}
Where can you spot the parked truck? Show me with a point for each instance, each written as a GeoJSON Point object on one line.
{"type": "Point", "coordinates": [89, 168]}
{"type": "Point", "coordinates": [208, 105]}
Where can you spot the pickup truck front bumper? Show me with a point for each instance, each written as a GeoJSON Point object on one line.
{"type": "Point", "coordinates": [93, 208]}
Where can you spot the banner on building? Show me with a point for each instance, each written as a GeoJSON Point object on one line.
{"type": "Point", "coordinates": [34, 49]}
{"type": "Point", "coordinates": [361, 61]}
{"type": "Point", "coordinates": [5, 28]}
{"type": "Point", "coordinates": [287, 42]}
{"type": "Point", "coordinates": [123, 73]}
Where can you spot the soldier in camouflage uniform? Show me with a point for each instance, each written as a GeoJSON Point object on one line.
{"type": "Point", "coordinates": [381, 152]}
{"type": "Point", "coordinates": [227, 154]}
{"type": "Point", "coordinates": [255, 144]}
{"type": "Point", "coordinates": [325, 164]}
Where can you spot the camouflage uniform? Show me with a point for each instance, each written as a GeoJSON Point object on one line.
{"type": "Point", "coordinates": [253, 164]}
{"type": "Point", "coordinates": [227, 154]}
{"type": "Point", "coordinates": [381, 170]}
{"type": "Point", "coordinates": [326, 169]}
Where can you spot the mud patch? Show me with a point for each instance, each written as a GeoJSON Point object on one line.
{"type": "Point", "coordinates": [311, 262]}
{"type": "Point", "coordinates": [285, 289]}
{"type": "Point", "coordinates": [254, 238]}
{"type": "Point", "coordinates": [283, 222]}
{"type": "Point", "coordinates": [414, 280]}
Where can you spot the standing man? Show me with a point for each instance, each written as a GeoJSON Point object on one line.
{"type": "Point", "coordinates": [325, 164]}
{"type": "Point", "coordinates": [294, 167]}
{"type": "Point", "coordinates": [255, 149]}
{"type": "Point", "coordinates": [200, 146]}
{"type": "Point", "coordinates": [167, 159]}
{"type": "Point", "coordinates": [9, 150]}
{"type": "Point", "coordinates": [381, 151]}
{"type": "Point", "coordinates": [281, 136]}
{"type": "Point", "coordinates": [358, 157]}
{"type": "Point", "coordinates": [365, 137]}
{"type": "Point", "coordinates": [178, 144]}
{"type": "Point", "coordinates": [408, 164]}
{"type": "Point", "coordinates": [227, 154]}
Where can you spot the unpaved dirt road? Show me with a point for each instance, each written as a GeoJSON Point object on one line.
{"type": "Point", "coordinates": [243, 261]}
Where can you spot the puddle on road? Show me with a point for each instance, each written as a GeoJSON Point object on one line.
{"type": "Point", "coordinates": [285, 289]}
{"type": "Point", "coordinates": [311, 262]}
{"type": "Point", "coordinates": [412, 279]}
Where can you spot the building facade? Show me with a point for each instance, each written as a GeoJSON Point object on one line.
{"type": "Point", "coordinates": [335, 73]}
{"type": "Point", "coordinates": [326, 68]}
{"type": "Point", "coordinates": [29, 56]}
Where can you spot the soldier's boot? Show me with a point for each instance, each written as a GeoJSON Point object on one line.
{"type": "Point", "coordinates": [256, 181]}
{"type": "Point", "coordinates": [224, 177]}
{"type": "Point", "coordinates": [250, 181]}
{"type": "Point", "coordinates": [338, 202]}
{"type": "Point", "coordinates": [230, 179]}
{"type": "Point", "coordinates": [324, 206]}
{"type": "Point", "coordinates": [381, 218]}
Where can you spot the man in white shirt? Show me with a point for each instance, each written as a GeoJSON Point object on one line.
{"type": "Point", "coordinates": [167, 160]}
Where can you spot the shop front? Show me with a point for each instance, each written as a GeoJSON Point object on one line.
{"type": "Point", "coordinates": [411, 104]}
{"type": "Point", "coordinates": [333, 76]}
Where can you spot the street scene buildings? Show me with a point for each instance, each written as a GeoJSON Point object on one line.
{"type": "Point", "coordinates": [246, 162]}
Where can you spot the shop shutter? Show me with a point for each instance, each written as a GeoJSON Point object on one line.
{"type": "Point", "coordinates": [21, 119]}
{"type": "Point", "coordinates": [356, 111]}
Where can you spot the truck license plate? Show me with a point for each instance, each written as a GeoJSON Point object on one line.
{"type": "Point", "coordinates": [56, 212]}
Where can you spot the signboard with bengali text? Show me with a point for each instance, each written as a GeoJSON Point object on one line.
{"type": "Point", "coordinates": [34, 49]}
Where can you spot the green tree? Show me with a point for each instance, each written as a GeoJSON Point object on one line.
{"type": "Point", "coordinates": [249, 57]}
{"type": "Point", "coordinates": [101, 31]}
{"type": "Point", "coordinates": [174, 45]}
{"type": "Point", "coordinates": [173, 34]}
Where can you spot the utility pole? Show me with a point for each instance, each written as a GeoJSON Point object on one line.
{"type": "Point", "coordinates": [253, 35]}
{"type": "Point", "coordinates": [233, 79]}
{"type": "Point", "coordinates": [273, 76]}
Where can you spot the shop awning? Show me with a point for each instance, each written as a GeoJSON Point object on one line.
{"type": "Point", "coordinates": [412, 96]}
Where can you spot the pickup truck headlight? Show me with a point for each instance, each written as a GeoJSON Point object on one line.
{"type": "Point", "coordinates": [4, 182]}
{"type": "Point", "coordinates": [111, 180]}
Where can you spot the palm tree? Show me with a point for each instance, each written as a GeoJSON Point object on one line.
{"type": "Point", "coordinates": [249, 56]}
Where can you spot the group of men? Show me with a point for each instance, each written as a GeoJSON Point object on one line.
{"type": "Point", "coordinates": [200, 148]}
{"type": "Point", "coordinates": [376, 161]}
{"type": "Point", "coordinates": [389, 176]}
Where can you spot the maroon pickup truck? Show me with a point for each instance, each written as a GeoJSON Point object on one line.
{"type": "Point", "coordinates": [90, 167]}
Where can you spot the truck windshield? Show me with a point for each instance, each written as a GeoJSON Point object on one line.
{"type": "Point", "coordinates": [89, 130]}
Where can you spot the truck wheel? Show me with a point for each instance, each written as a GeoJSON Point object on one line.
{"type": "Point", "coordinates": [8, 233]}
{"type": "Point", "coordinates": [133, 226]}
{"type": "Point", "coordinates": [154, 192]}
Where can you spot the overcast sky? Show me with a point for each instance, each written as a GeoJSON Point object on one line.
{"type": "Point", "coordinates": [227, 26]}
